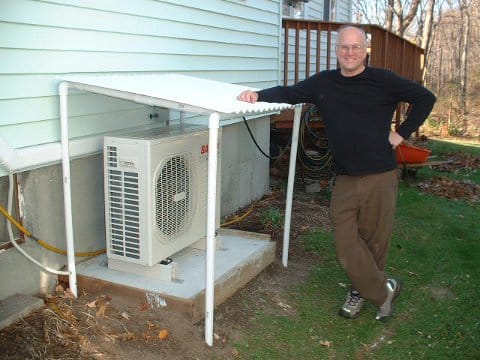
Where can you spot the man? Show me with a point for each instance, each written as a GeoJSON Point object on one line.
{"type": "Point", "coordinates": [357, 104]}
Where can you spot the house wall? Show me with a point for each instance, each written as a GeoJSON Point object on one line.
{"type": "Point", "coordinates": [235, 41]}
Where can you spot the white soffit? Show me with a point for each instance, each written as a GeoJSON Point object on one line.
{"type": "Point", "coordinates": [173, 91]}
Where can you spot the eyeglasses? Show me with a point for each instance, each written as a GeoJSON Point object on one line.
{"type": "Point", "coordinates": [353, 48]}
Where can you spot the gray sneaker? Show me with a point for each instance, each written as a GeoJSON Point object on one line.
{"type": "Point", "coordinates": [394, 286]}
{"type": "Point", "coordinates": [353, 304]}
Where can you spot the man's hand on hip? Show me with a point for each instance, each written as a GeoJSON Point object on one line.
{"type": "Point", "coordinates": [395, 139]}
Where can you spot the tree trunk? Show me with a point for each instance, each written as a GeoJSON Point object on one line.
{"type": "Point", "coordinates": [431, 59]}
{"type": "Point", "coordinates": [439, 76]}
{"type": "Point", "coordinates": [427, 26]}
{"type": "Point", "coordinates": [464, 45]}
{"type": "Point", "coordinates": [426, 41]}
{"type": "Point", "coordinates": [404, 21]}
{"type": "Point", "coordinates": [389, 16]}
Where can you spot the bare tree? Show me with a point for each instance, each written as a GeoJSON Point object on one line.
{"type": "Point", "coordinates": [370, 12]}
{"type": "Point", "coordinates": [389, 16]}
{"type": "Point", "coordinates": [427, 25]}
{"type": "Point", "coordinates": [449, 32]}
{"type": "Point", "coordinates": [426, 32]}
{"type": "Point", "coordinates": [394, 15]}
{"type": "Point", "coordinates": [464, 47]}
{"type": "Point", "coordinates": [404, 18]}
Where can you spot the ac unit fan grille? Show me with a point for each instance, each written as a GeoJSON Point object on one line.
{"type": "Point", "coordinates": [173, 194]}
{"type": "Point", "coordinates": [123, 204]}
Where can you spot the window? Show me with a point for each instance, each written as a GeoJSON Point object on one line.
{"type": "Point", "coordinates": [296, 9]}
{"type": "Point", "coordinates": [329, 10]}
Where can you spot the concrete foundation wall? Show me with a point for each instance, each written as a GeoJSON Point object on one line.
{"type": "Point", "coordinates": [245, 171]}
{"type": "Point", "coordinates": [245, 177]}
{"type": "Point", "coordinates": [41, 204]}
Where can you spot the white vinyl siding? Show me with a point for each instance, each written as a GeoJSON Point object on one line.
{"type": "Point", "coordinates": [232, 41]}
{"type": "Point", "coordinates": [342, 10]}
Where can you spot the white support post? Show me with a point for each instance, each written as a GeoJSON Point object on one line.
{"type": "Point", "coordinates": [67, 191]}
{"type": "Point", "coordinates": [291, 181]}
{"type": "Point", "coordinates": [213, 125]}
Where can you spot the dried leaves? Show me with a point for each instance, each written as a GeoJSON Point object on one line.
{"type": "Point", "coordinates": [152, 332]}
{"type": "Point", "coordinates": [454, 189]}
{"type": "Point", "coordinates": [451, 189]}
{"type": "Point", "coordinates": [460, 161]}
{"type": "Point", "coordinates": [82, 327]}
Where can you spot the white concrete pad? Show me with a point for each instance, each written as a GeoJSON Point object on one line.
{"type": "Point", "coordinates": [16, 307]}
{"type": "Point", "coordinates": [238, 249]}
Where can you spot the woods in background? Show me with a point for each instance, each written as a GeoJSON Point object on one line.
{"type": "Point", "coordinates": [448, 30]}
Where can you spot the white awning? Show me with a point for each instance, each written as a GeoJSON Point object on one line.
{"type": "Point", "coordinates": [187, 94]}
{"type": "Point", "coordinates": [174, 91]}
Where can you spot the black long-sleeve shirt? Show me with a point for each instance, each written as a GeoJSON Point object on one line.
{"type": "Point", "coordinates": [357, 112]}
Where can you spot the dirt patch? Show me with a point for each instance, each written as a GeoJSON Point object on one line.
{"type": "Point", "coordinates": [440, 293]}
{"type": "Point", "coordinates": [98, 327]}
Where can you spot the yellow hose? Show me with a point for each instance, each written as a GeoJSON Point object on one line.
{"type": "Point", "coordinates": [43, 243]}
{"type": "Point", "coordinates": [234, 220]}
{"type": "Point", "coordinates": [237, 218]}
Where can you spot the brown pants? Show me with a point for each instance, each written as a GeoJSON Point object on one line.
{"type": "Point", "coordinates": [362, 212]}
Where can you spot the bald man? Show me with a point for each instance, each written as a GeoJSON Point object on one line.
{"type": "Point", "coordinates": [357, 104]}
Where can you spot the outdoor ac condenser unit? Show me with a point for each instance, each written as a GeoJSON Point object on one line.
{"type": "Point", "coordinates": [155, 193]}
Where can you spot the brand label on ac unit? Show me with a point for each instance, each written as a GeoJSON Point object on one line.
{"type": "Point", "coordinates": [128, 163]}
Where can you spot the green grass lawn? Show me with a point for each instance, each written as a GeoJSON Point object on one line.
{"type": "Point", "coordinates": [436, 251]}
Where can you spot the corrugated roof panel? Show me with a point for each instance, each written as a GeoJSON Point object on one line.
{"type": "Point", "coordinates": [175, 91]}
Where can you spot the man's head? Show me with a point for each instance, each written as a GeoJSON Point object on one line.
{"type": "Point", "coordinates": [351, 50]}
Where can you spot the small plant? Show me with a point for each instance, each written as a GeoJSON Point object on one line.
{"type": "Point", "coordinates": [271, 219]}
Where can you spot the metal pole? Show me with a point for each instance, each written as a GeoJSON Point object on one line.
{"type": "Point", "coordinates": [291, 181]}
{"type": "Point", "coordinates": [67, 191]}
{"type": "Point", "coordinates": [213, 124]}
